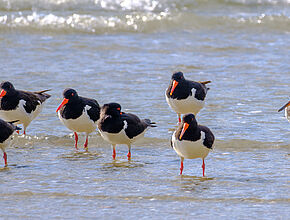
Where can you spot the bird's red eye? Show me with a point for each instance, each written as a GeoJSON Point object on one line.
{"type": "Point", "coordinates": [72, 94]}
{"type": "Point", "coordinates": [118, 109]}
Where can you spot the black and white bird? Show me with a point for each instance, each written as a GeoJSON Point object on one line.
{"type": "Point", "coordinates": [78, 114]}
{"type": "Point", "coordinates": [287, 110]}
{"type": "Point", "coordinates": [118, 127]}
{"type": "Point", "coordinates": [185, 96]}
{"type": "Point", "coordinates": [20, 106]}
{"type": "Point", "coordinates": [6, 131]}
{"type": "Point", "coordinates": [192, 141]}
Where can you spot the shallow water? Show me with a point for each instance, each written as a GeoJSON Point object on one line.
{"type": "Point", "coordinates": [126, 51]}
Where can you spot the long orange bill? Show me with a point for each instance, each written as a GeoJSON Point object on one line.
{"type": "Point", "coordinates": [175, 83]}
{"type": "Point", "coordinates": [64, 102]}
{"type": "Point", "coordinates": [3, 93]}
{"type": "Point", "coordinates": [288, 104]}
{"type": "Point", "coordinates": [184, 128]}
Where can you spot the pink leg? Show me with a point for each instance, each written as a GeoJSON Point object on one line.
{"type": "Point", "coordinates": [203, 167]}
{"type": "Point", "coordinates": [114, 152]}
{"type": "Point", "coordinates": [17, 132]}
{"type": "Point", "coordinates": [24, 132]}
{"type": "Point", "coordinates": [181, 165]}
{"type": "Point", "coordinates": [5, 159]}
{"type": "Point", "coordinates": [179, 118]}
{"type": "Point", "coordinates": [86, 144]}
{"type": "Point", "coordinates": [129, 153]}
{"type": "Point", "coordinates": [76, 140]}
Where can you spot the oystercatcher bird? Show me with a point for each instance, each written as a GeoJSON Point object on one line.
{"type": "Point", "coordinates": [6, 131]}
{"type": "Point", "coordinates": [78, 114]}
{"type": "Point", "coordinates": [20, 106]}
{"type": "Point", "coordinates": [191, 140]}
{"type": "Point", "coordinates": [185, 96]}
{"type": "Point", "coordinates": [287, 110]}
{"type": "Point", "coordinates": [118, 127]}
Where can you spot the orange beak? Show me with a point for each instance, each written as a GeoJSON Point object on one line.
{"type": "Point", "coordinates": [285, 106]}
{"type": "Point", "coordinates": [64, 102]}
{"type": "Point", "coordinates": [3, 93]}
{"type": "Point", "coordinates": [175, 83]}
{"type": "Point", "coordinates": [184, 128]}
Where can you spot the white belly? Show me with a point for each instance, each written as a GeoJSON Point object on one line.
{"type": "Point", "coordinates": [287, 113]}
{"type": "Point", "coordinates": [20, 114]}
{"type": "Point", "coordinates": [189, 149]}
{"type": "Point", "coordinates": [5, 144]}
{"type": "Point", "coordinates": [184, 106]}
{"type": "Point", "coordinates": [80, 124]}
{"type": "Point", "coordinates": [120, 138]}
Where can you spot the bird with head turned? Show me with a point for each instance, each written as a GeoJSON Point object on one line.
{"type": "Point", "coordinates": [118, 127]}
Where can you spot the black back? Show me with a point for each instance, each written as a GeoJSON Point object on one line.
{"type": "Point", "coordinates": [76, 104]}
{"type": "Point", "coordinates": [11, 100]}
{"type": "Point", "coordinates": [184, 88]}
{"type": "Point", "coordinates": [193, 132]}
{"type": "Point", "coordinates": [6, 130]}
{"type": "Point", "coordinates": [112, 120]}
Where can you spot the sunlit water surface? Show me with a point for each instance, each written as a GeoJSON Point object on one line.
{"type": "Point", "coordinates": [126, 51]}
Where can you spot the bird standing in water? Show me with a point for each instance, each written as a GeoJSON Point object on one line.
{"type": "Point", "coordinates": [20, 106]}
{"type": "Point", "coordinates": [192, 141]}
{"type": "Point", "coordinates": [287, 110]}
{"type": "Point", "coordinates": [185, 96]}
{"type": "Point", "coordinates": [118, 127]}
{"type": "Point", "coordinates": [6, 131]}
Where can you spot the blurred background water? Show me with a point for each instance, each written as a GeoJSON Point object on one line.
{"type": "Point", "coordinates": [125, 51]}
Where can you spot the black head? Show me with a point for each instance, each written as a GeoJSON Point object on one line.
{"type": "Point", "coordinates": [112, 108]}
{"type": "Point", "coordinates": [178, 76]}
{"type": "Point", "coordinates": [70, 94]}
{"type": "Point", "coordinates": [7, 88]}
{"type": "Point", "coordinates": [189, 119]}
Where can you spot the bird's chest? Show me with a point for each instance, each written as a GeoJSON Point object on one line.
{"type": "Point", "coordinates": [82, 123]}
{"type": "Point", "coordinates": [181, 92]}
{"type": "Point", "coordinates": [110, 125]}
{"type": "Point", "coordinates": [189, 149]}
{"type": "Point", "coordinates": [9, 103]}
{"type": "Point", "coordinates": [5, 143]}
{"type": "Point", "coordinates": [72, 112]}
{"type": "Point", "coordinates": [17, 113]}
{"type": "Point", "coordinates": [116, 138]}
{"type": "Point", "coordinates": [287, 113]}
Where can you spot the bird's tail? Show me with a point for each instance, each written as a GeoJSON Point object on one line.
{"type": "Point", "coordinates": [205, 82]}
{"type": "Point", "coordinates": [149, 123]}
{"type": "Point", "coordinates": [43, 94]}
{"type": "Point", "coordinates": [12, 122]}
{"type": "Point", "coordinates": [15, 127]}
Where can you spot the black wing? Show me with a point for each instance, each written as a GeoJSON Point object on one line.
{"type": "Point", "coordinates": [201, 90]}
{"type": "Point", "coordinates": [209, 137]}
{"type": "Point", "coordinates": [31, 99]}
{"type": "Point", "coordinates": [135, 125]}
{"type": "Point", "coordinates": [94, 111]}
{"type": "Point", "coordinates": [6, 130]}
{"type": "Point", "coordinates": [42, 95]}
